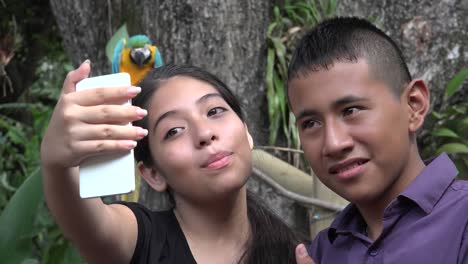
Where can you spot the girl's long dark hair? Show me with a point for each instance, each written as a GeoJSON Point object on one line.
{"type": "Point", "coordinates": [271, 240]}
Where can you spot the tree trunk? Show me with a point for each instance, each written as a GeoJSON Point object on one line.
{"type": "Point", "coordinates": [224, 37]}
{"type": "Point", "coordinates": [86, 26]}
{"type": "Point", "coordinates": [431, 34]}
{"type": "Point", "coordinates": [227, 38]}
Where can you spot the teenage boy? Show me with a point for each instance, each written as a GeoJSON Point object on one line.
{"type": "Point", "coordinates": [358, 111]}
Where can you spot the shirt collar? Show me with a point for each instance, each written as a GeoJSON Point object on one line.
{"type": "Point", "coordinates": [427, 189]}
{"type": "Point", "coordinates": [348, 221]}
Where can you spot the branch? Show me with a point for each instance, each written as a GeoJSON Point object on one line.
{"type": "Point", "coordinates": [288, 180]}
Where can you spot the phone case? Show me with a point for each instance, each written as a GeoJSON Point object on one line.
{"type": "Point", "coordinates": [107, 174]}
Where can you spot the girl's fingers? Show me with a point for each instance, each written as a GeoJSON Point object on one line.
{"type": "Point", "coordinates": [75, 76]}
{"type": "Point", "coordinates": [110, 114]}
{"type": "Point", "coordinates": [108, 132]}
{"type": "Point", "coordinates": [91, 148]}
{"type": "Point", "coordinates": [106, 95]}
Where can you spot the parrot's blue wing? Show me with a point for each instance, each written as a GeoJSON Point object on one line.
{"type": "Point", "coordinates": [158, 62]}
{"type": "Point", "coordinates": [117, 56]}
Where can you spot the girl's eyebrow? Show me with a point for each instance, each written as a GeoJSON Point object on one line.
{"type": "Point", "coordinates": [207, 96]}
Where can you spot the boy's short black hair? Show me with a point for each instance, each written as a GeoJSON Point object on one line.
{"type": "Point", "coordinates": [347, 39]}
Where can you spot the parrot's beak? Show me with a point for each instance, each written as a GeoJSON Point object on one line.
{"type": "Point", "coordinates": [140, 56]}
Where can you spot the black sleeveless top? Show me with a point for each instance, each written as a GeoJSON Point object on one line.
{"type": "Point", "coordinates": [160, 238]}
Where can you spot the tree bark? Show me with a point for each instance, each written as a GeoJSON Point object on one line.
{"type": "Point", "coordinates": [86, 26]}
{"type": "Point", "coordinates": [224, 37]}
{"type": "Point", "coordinates": [431, 34]}
{"type": "Point", "coordinates": [227, 38]}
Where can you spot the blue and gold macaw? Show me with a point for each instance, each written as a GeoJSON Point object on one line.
{"type": "Point", "coordinates": [136, 56]}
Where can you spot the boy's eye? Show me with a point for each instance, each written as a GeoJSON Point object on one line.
{"type": "Point", "coordinates": [351, 110]}
{"type": "Point", "coordinates": [307, 124]}
{"type": "Point", "coordinates": [216, 110]}
{"type": "Point", "coordinates": [172, 132]}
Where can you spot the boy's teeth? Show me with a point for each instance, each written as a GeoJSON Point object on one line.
{"type": "Point", "coordinates": [349, 167]}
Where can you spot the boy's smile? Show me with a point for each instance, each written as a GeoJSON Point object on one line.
{"type": "Point", "coordinates": [354, 131]}
{"type": "Point", "coordinates": [348, 169]}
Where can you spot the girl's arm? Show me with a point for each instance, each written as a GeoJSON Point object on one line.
{"type": "Point", "coordinates": [84, 124]}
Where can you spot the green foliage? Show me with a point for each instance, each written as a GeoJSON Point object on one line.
{"type": "Point", "coordinates": [29, 234]}
{"type": "Point", "coordinates": [16, 220]}
{"type": "Point", "coordinates": [22, 125]}
{"type": "Point", "coordinates": [455, 84]}
{"type": "Point", "coordinates": [290, 22]}
{"type": "Point", "coordinates": [447, 128]}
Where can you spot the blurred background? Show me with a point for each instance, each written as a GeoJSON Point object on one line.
{"type": "Point", "coordinates": [248, 44]}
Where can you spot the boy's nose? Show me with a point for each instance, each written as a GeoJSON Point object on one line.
{"type": "Point", "coordinates": [337, 140]}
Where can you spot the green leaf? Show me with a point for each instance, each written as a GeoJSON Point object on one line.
{"type": "Point", "coordinates": [72, 256]}
{"type": "Point", "coordinates": [280, 50]}
{"type": "Point", "coordinates": [19, 106]}
{"type": "Point", "coordinates": [280, 96]}
{"type": "Point", "coordinates": [455, 83]}
{"type": "Point", "coordinates": [332, 9]}
{"type": "Point", "coordinates": [459, 109]}
{"type": "Point", "coordinates": [437, 115]}
{"type": "Point", "coordinates": [294, 131]}
{"type": "Point", "coordinates": [118, 35]}
{"type": "Point", "coordinates": [464, 122]}
{"type": "Point", "coordinates": [271, 27]}
{"type": "Point", "coordinates": [277, 13]}
{"type": "Point", "coordinates": [453, 148]}
{"type": "Point", "coordinates": [315, 13]}
{"type": "Point", "coordinates": [445, 132]}
{"type": "Point", "coordinates": [30, 261]}
{"type": "Point", "coordinates": [17, 135]}
{"type": "Point", "coordinates": [16, 220]}
{"type": "Point", "coordinates": [274, 127]}
{"type": "Point", "coordinates": [5, 184]}
{"type": "Point", "coordinates": [269, 81]}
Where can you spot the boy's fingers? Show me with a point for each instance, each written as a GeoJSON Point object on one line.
{"type": "Point", "coordinates": [75, 76]}
{"type": "Point", "coordinates": [302, 257]}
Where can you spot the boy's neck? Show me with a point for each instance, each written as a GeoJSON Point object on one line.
{"type": "Point", "coordinates": [373, 211]}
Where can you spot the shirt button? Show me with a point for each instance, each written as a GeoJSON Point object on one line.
{"type": "Point", "coordinates": [373, 252]}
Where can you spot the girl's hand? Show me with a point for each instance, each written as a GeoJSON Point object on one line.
{"type": "Point", "coordinates": [90, 122]}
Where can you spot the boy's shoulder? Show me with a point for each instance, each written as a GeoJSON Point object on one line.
{"type": "Point", "coordinates": [460, 185]}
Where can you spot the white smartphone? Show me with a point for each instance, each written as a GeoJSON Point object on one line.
{"type": "Point", "coordinates": [106, 174]}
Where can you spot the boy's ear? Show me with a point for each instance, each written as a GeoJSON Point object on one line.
{"type": "Point", "coordinates": [418, 100]}
{"type": "Point", "coordinates": [152, 177]}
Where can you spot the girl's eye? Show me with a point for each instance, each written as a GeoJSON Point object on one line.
{"type": "Point", "coordinates": [216, 110]}
{"type": "Point", "coordinates": [172, 132]}
{"type": "Point", "coordinates": [307, 124]}
{"type": "Point", "coordinates": [351, 110]}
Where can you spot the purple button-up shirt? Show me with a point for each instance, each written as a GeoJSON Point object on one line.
{"type": "Point", "coordinates": [427, 223]}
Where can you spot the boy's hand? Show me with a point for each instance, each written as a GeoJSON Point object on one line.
{"type": "Point", "coordinates": [302, 257]}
